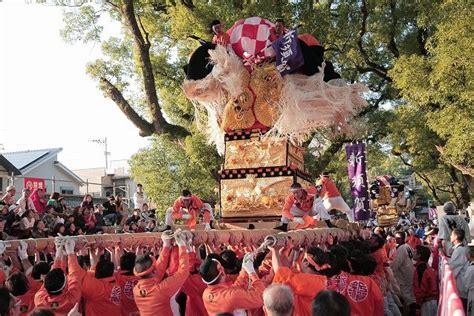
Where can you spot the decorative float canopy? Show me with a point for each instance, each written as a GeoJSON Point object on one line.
{"type": "Point", "coordinates": [240, 87]}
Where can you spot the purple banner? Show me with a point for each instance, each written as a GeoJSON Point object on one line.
{"type": "Point", "coordinates": [358, 180]}
{"type": "Point", "coordinates": [288, 52]}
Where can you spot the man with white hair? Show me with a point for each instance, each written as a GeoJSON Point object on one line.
{"type": "Point", "coordinates": [278, 300]}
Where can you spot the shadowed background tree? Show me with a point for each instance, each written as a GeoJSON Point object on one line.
{"type": "Point", "coordinates": [411, 54]}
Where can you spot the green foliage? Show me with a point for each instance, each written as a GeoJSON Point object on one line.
{"type": "Point", "coordinates": [441, 84]}
{"type": "Point", "coordinates": [166, 168]}
{"type": "Point", "coordinates": [414, 56]}
{"type": "Point", "coordinates": [81, 25]}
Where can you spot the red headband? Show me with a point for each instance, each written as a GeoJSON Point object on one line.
{"type": "Point", "coordinates": [314, 264]}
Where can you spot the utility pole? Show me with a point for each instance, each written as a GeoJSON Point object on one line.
{"type": "Point", "coordinates": [103, 142]}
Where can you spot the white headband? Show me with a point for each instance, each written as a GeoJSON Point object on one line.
{"type": "Point", "coordinates": [62, 287]}
{"type": "Point", "coordinates": [215, 279]}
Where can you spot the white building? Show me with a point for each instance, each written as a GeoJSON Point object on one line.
{"type": "Point", "coordinates": [115, 180]}
{"type": "Point", "coordinates": [41, 169]}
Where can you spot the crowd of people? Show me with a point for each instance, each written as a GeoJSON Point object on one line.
{"type": "Point", "coordinates": [35, 216]}
{"type": "Point", "coordinates": [394, 272]}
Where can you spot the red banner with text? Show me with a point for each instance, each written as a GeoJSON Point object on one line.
{"type": "Point", "coordinates": [35, 183]}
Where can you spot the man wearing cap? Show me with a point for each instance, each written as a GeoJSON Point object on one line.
{"type": "Point", "coordinates": [153, 295]}
{"type": "Point", "coordinates": [9, 197]}
{"type": "Point", "coordinates": [187, 208]}
{"type": "Point", "coordinates": [331, 197]}
{"type": "Point", "coordinates": [60, 291]}
{"type": "Point", "coordinates": [300, 207]}
{"type": "Point", "coordinates": [447, 223]}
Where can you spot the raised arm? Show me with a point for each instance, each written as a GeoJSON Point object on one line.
{"type": "Point", "coordinates": [172, 284]}
{"type": "Point", "coordinates": [23, 254]}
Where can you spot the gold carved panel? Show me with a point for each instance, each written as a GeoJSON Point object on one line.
{"type": "Point", "coordinates": [255, 197]}
{"type": "Point", "coordinates": [255, 153]}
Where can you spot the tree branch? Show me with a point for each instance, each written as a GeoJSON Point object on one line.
{"type": "Point", "coordinates": [147, 41]}
{"type": "Point", "coordinates": [323, 160]}
{"type": "Point", "coordinates": [464, 169]}
{"type": "Point", "coordinates": [143, 48]}
{"type": "Point", "coordinates": [188, 4]}
{"type": "Point", "coordinates": [392, 46]}
{"type": "Point", "coordinates": [373, 67]}
{"type": "Point", "coordinates": [375, 106]}
{"type": "Point", "coordinates": [146, 128]}
{"type": "Point", "coordinates": [424, 178]}
{"type": "Point", "coordinates": [116, 7]}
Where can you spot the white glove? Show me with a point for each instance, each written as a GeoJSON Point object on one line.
{"type": "Point", "coordinates": [187, 216]}
{"type": "Point", "coordinates": [74, 311]}
{"type": "Point", "coordinates": [59, 220]}
{"type": "Point", "coordinates": [69, 246]}
{"type": "Point", "coordinates": [59, 243]}
{"type": "Point", "coordinates": [166, 240]}
{"type": "Point", "coordinates": [180, 240]}
{"type": "Point", "coordinates": [299, 220]}
{"type": "Point", "coordinates": [2, 247]}
{"type": "Point", "coordinates": [22, 247]}
{"type": "Point", "coordinates": [207, 226]}
{"type": "Point", "coordinates": [247, 263]}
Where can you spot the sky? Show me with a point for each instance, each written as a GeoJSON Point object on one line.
{"type": "Point", "coordinates": [46, 98]}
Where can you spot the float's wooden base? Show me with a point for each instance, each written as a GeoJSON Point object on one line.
{"type": "Point", "coordinates": [235, 233]}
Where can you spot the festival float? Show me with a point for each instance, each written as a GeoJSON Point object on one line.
{"type": "Point", "coordinates": [259, 101]}
{"type": "Point", "coordinates": [390, 199]}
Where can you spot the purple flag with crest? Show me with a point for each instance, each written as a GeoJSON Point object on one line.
{"type": "Point", "coordinates": [288, 52]}
{"type": "Point", "coordinates": [356, 167]}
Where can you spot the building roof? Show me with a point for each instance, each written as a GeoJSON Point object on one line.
{"type": "Point", "coordinates": [9, 167]}
{"type": "Point", "coordinates": [29, 159]}
{"type": "Point", "coordinates": [69, 172]}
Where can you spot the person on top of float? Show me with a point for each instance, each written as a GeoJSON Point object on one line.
{"type": "Point", "coordinates": [331, 197]}
{"type": "Point", "coordinates": [188, 207]}
{"type": "Point", "coordinates": [277, 31]}
{"type": "Point", "coordinates": [220, 37]}
{"type": "Point", "coordinates": [300, 208]}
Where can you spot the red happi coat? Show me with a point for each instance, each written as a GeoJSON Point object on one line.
{"type": "Point", "coordinates": [362, 292]}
